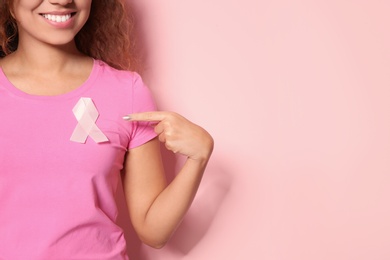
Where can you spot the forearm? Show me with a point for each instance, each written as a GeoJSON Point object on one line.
{"type": "Point", "coordinates": [157, 214]}
{"type": "Point", "coordinates": [170, 206]}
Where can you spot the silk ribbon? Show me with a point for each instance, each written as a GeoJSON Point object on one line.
{"type": "Point", "coordinates": [86, 115]}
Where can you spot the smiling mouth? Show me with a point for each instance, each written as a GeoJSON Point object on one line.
{"type": "Point", "coordinates": [58, 18]}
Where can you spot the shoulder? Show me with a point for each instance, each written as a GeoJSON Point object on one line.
{"type": "Point", "coordinates": [117, 77]}
{"type": "Point", "coordinates": [121, 87]}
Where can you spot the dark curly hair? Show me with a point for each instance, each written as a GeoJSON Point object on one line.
{"type": "Point", "coordinates": [108, 34]}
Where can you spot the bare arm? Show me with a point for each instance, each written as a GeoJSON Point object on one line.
{"type": "Point", "coordinates": [156, 208]}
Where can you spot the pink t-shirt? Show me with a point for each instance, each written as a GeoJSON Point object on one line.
{"type": "Point", "coordinates": [56, 195]}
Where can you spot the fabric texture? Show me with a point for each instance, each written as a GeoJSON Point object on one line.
{"type": "Point", "coordinates": [57, 197]}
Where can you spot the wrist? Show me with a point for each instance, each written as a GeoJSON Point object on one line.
{"type": "Point", "coordinates": [204, 155]}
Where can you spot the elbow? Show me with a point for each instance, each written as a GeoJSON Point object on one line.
{"type": "Point", "coordinates": [155, 241]}
{"type": "Point", "coordinates": [155, 236]}
{"type": "Point", "coordinates": [157, 246]}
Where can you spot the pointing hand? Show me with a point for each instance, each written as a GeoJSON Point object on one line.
{"type": "Point", "coordinates": [178, 134]}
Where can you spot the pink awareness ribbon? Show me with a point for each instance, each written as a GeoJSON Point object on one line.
{"type": "Point", "coordinates": [86, 115]}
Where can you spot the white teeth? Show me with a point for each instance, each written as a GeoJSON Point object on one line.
{"type": "Point", "coordinates": [57, 18]}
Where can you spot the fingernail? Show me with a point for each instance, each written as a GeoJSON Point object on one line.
{"type": "Point", "coordinates": [126, 118]}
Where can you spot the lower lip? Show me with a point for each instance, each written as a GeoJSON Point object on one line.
{"type": "Point", "coordinates": [61, 25]}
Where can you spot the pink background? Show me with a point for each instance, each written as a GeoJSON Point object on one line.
{"type": "Point", "coordinates": [296, 95]}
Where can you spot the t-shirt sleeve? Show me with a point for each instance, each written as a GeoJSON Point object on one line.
{"type": "Point", "coordinates": [142, 101]}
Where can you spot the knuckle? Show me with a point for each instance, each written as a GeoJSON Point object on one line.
{"type": "Point", "coordinates": [169, 145]}
{"type": "Point", "coordinates": [148, 115]}
{"type": "Point", "coordinates": [161, 138]}
{"type": "Point", "coordinates": [169, 134]}
{"type": "Point", "coordinates": [172, 115]}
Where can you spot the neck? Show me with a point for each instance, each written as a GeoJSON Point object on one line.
{"type": "Point", "coordinates": [45, 58]}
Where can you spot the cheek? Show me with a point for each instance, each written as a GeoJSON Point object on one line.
{"type": "Point", "coordinates": [23, 7]}
{"type": "Point", "coordinates": [25, 4]}
{"type": "Point", "coordinates": [85, 6]}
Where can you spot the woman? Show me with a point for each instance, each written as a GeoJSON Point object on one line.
{"type": "Point", "coordinates": [73, 118]}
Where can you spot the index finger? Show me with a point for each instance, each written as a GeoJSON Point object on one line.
{"type": "Point", "coordinates": [151, 116]}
